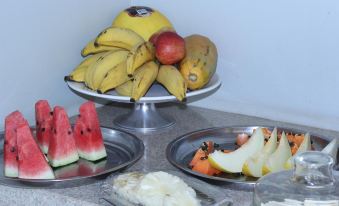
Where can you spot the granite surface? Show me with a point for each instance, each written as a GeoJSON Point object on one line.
{"type": "Point", "coordinates": [187, 118]}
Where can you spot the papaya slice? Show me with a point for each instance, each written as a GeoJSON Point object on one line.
{"type": "Point", "coordinates": [202, 152]}
{"type": "Point", "coordinates": [204, 167]}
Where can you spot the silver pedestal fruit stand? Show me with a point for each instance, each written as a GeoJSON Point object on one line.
{"type": "Point", "coordinates": [144, 117]}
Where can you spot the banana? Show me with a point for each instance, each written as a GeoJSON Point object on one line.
{"type": "Point", "coordinates": [200, 61]}
{"type": "Point", "coordinates": [143, 80]}
{"type": "Point", "coordinates": [115, 77]}
{"type": "Point", "coordinates": [173, 81]}
{"type": "Point", "coordinates": [125, 89]}
{"type": "Point", "coordinates": [78, 74]}
{"type": "Point", "coordinates": [97, 71]}
{"type": "Point", "coordinates": [90, 49]}
{"type": "Point", "coordinates": [139, 54]}
{"type": "Point", "coordinates": [118, 37]}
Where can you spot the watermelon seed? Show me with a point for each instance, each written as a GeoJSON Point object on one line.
{"type": "Point", "coordinates": [69, 132]}
{"type": "Point", "coordinates": [81, 132]}
{"type": "Point", "coordinates": [6, 142]}
{"type": "Point", "coordinates": [37, 123]}
{"type": "Point", "coordinates": [43, 129]}
{"type": "Point", "coordinates": [51, 113]}
{"type": "Point", "coordinates": [88, 130]}
{"type": "Point", "coordinates": [12, 149]}
{"type": "Point", "coordinates": [54, 131]}
{"type": "Point", "coordinates": [17, 158]}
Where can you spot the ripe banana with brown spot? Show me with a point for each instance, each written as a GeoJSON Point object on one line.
{"type": "Point", "coordinates": [125, 89]}
{"type": "Point", "coordinates": [143, 79]}
{"type": "Point", "coordinates": [78, 74]}
{"type": "Point", "coordinates": [115, 77]}
{"type": "Point", "coordinates": [97, 71]}
{"type": "Point", "coordinates": [118, 37]}
{"type": "Point", "coordinates": [139, 54]}
{"type": "Point", "coordinates": [200, 61]}
{"type": "Point", "coordinates": [90, 49]}
{"type": "Point", "coordinates": [173, 81]}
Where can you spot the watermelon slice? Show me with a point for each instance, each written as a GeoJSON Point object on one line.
{"type": "Point", "coordinates": [31, 161]}
{"type": "Point", "coordinates": [62, 149]}
{"type": "Point", "coordinates": [87, 134]}
{"type": "Point", "coordinates": [44, 121]}
{"type": "Point", "coordinates": [10, 143]}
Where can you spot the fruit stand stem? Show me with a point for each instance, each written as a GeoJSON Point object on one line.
{"type": "Point", "coordinates": [144, 118]}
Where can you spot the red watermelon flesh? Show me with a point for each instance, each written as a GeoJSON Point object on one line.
{"type": "Point", "coordinates": [88, 134]}
{"type": "Point", "coordinates": [10, 143]}
{"type": "Point", "coordinates": [31, 161]}
{"type": "Point", "coordinates": [44, 121]}
{"type": "Point", "coordinates": [62, 149]}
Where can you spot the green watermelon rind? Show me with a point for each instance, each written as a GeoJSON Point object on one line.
{"type": "Point", "coordinates": [94, 155]}
{"type": "Point", "coordinates": [11, 171]}
{"type": "Point", "coordinates": [63, 161]}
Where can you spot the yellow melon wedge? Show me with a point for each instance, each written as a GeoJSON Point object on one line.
{"type": "Point", "coordinates": [332, 149]}
{"type": "Point", "coordinates": [233, 162]}
{"type": "Point", "coordinates": [277, 160]}
{"type": "Point", "coordinates": [253, 165]}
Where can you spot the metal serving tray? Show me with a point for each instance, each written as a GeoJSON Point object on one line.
{"type": "Point", "coordinates": [123, 149]}
{"type": "Point", "coordinates": [180, 151]}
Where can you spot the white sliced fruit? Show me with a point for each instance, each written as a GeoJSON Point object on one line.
{"type": "Point", "coordinates": [233, 162]}
{"type": "Point", "coordinates": [253, 165]}
{"type": "Point", "coordinates": [332, 149]}
{"type": "Point", "coordinates": [304, 146]}
{"type": "Point", "coordinates": [161, 188]}
{"type": "Point", "coordinates": [278, 159]}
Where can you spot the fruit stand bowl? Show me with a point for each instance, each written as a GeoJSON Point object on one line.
{"type": "Point", "coordinates": [145, 117]}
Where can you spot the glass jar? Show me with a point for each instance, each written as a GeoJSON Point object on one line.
{"type": "Point", "coordinates": [311, 183]}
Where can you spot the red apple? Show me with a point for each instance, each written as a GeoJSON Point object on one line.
{"type": "Point", "coordinates": [169, 47]}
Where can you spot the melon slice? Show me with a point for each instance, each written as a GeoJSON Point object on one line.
{"type": "Point", "coordinates": [31, 161]}
{"type": "Point", "coordinates": [10, 143]}
{"type": "Point", "coordinates": [88, 134]}
{"type": "Point", "coordinates": [44, 121]}
{"type": "Point", "coordinates": [62, 149]}
{"type": "Point", "coordinates": [278, 158]}
{"type": "Point", "coordinates": [233, 162]}
{"type": "Point", "coordinates": [332, 149]}
{"type": "Point", "coordinates": [253, 165]}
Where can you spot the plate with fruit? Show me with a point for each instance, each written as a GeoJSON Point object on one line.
{"type": "Point", "coordinates": [141, 58]}
{"type": "Point", "coordinates": [241, 155]}
{"type": "Point", "coordinates": [55, 153]}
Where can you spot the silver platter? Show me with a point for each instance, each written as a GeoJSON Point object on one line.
{"type": "Point", "coordinates": [180, 151]}
{"type": "Point", "coordinates": [123, 149]}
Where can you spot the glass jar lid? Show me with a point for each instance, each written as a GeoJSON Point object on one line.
{"type": "Point", "coordinates": [311, 182]}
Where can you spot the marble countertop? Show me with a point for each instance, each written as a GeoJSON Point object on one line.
{"type": "Point", "coordinates": [188, 119]}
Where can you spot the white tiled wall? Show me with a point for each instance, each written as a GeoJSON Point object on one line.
{"type": "Point", "coordinates": [278, 59]}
